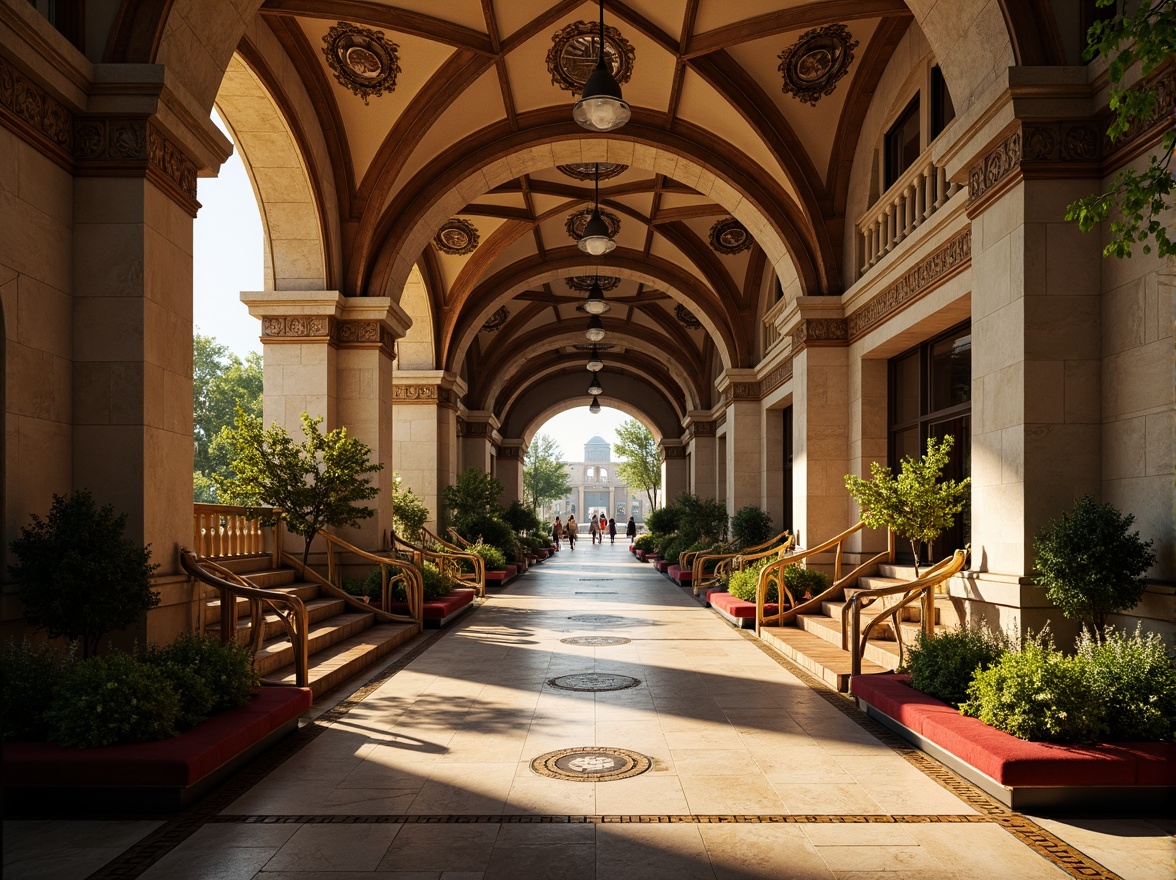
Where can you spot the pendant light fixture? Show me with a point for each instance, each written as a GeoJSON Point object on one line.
{"type": "Point", "coordinates": [595, 364]}
{"type": "Point", "coordinates": [595, 331]}
{"type": "Point", "coordinates": [594, 387]}
{"type": "Point", "coordinates": [596, 304]}
{"type": "Point", "coordinates": [595, 407]}
{"type": "Point", "coordinates": [600, 107]}
{"type": "Point", "coordinates": [596, 241]}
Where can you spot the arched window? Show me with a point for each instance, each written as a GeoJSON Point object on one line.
{"type": "Point", "coordinates": [603, 474]}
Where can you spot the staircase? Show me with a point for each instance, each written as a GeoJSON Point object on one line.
{"type": "Point", "coordinates": [814, 643]}
{"type": "Point", "coordinates": [343, 640]}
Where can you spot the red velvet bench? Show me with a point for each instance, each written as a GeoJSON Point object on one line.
{"type": "Point", "coordinates": [165, 775]}
{"type": "Point", "coordinates": [662, 565]}
{"type": "Point", "coordinates": [737, 612]}
{"type": "Point", "coordinates": [1023, 775]}
{"type": "Point", "coordinates": [500, 577]}
{"type": "Point", "coordinates": [438, 612]}
{"type": "Point", "coordinates": [684, 576]}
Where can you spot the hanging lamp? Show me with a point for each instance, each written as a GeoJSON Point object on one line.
{"type": "Point", "coordinates": [600, 107]}
{"type": "Point", "coordinates": [594, 387]}
{"type": "Point", "coordinates": [596, 241]}
{"type": "Point", "coordinates": [595, 407]}
{"type": "Point", "coordinates": [595, 364]}
{"type": "Point", "coordinates": [595, 331]}
{"type": "Point", "coordinates": [596, 304]}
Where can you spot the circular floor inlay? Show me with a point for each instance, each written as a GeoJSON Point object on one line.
{"type": "Point", "coordinates": [594, 681]}
{"type": "Point", "coordinates": [596, 618]}
{"type": "Point", "coordinates": [591, 764]}
{"type": "Point", "coordinates": [596, 641]}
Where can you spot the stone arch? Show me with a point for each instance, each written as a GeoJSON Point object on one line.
{"type": "Point", "coordinates": [549, 397]}
{"type": "Point", "coordinates": [555, 409]}
{"type": "Point", "coordinates": [296, 250]}
{"type": "Point", "coordinates": [416, 351]}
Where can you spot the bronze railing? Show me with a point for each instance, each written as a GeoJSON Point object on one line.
{"type": "Point", "coordinates": [922, 590]}
{"type": "Point", "coordinates": [448, 562]}
{"type": "Point", "coordinates": [787, 608]}
{"type": "Point", "coordinates": [724, 563]}
{"type": "Point", "coordinates": [289, 609]}
{"type": "Point", "coordinates": [393, 573]}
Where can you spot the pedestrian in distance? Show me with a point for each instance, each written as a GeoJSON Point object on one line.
{"type": "Point", "coordinates": [631, 529]}
{"type": "Point", "coordinates": [594, 530]}
{"type": "Point", "coordinates": [572, 531]}
{"type": "Point", "coordinates": [557, 532]}
{"type": "Point", "coordinates": [612, 531]}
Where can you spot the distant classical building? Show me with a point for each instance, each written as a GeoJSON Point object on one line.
{"type": "Point", "coordinates": [597, 489]}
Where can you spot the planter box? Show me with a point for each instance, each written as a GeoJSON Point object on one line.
{"type": "Point", "coordinates": [641, 555]}
{"type": "Point", "coordinates": [438, 612]}
{"type": "Point", "coordinates": [684, 576]}
{"type": "Point", "coordinates": [1023, 775]}
{"type": "Point", "coordinates": [165, 775]}
{"type": "Point", "coordinates": [737, 612]}
{"type": "Point", "coordinates": [662, 565]}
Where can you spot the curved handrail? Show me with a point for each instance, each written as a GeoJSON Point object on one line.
{"type": "Point", "coordinates": [854, 638]}
{"type": "Point", "coordinates": [427, 537]}
{"type": "Point", "coordinates": [698, 576]}
{"type": "Point", "coordinates": [231, 587]}
{"type": "Point", "coordinates": [449, 563]}
{"type": "Point", "coordinates": [392, 572]}
{"type": "Point", "coordinates": [461, 542]}
{"type": "Point", "coordinates": [773, 574]}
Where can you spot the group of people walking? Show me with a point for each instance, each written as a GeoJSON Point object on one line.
{"type": "Point", "coordinates": [596, 530]}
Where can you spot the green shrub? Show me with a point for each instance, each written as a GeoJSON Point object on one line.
{"type": "Point", "coordinates": [195, 696]}
{"type": "Point", "coordinates": [409, 513]}
{"type": "Point", "coordinates": [742, 584]}
{"type": "Point", "coordinates": [943, 665]}
{"type": "Point", "coordinates": [29, 678]}
{"type": "Point", "coordinates": [663, 520]}
{"type": "Point", "coordinates": [227, 669]}
{"type": "Point", "coordinates": [1135, 678]}
{"type": "Point", "coordinates": [803, 582]}
{"type": "Point", "coordinates": [701, 518]}
{"type": "Point", "coordinates": [751, 525]}
{"type": "Point", "coordinates": [490, 530]}
{"type": "Point", "coordinates": [521, 518]}
{"type": "Point", "coordinates": [1038, 693]}
{"type": "Point", "coordinates": [674, 547]}
{"type": "Point", "coordinates": [1090, 564]}
{"type": "Point", "coordinates": [436, 584]}
{"type": "Point", "coordinates": [647, 542]}
{"type": "Point", "coordinates": [111, 699]}
{"type": "Point", "coordinates": [493, 557]}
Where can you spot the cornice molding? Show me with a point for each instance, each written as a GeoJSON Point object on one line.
{"type": "Point", "coordinates": [277, 329]}
{"type": "Point", "coordinates": [820, 331]}
{"type": "Point", "coordinates": [777, 377]}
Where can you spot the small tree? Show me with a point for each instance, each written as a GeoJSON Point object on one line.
{"type": "Point", "coordinates": [751, 525]}
{"type": "Point", "coordinates": [310, 485]}
{"type": "Point", "coordinates": [1090, 564]}
{"type": "Point", "coordinates": [473, 497]}
{"type": "Point", "coordinates": [640, 467]}
{"type": "Point", "coordinates": [409, 513]}
{"type": "Point", "coordinates": [915, 504]}
{"type": "Point", "coordinates": [80, 576]}
{"type": "Point", "coordinates": [545, 476]}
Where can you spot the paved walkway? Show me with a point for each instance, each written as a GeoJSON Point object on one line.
{"type": "Point", "coordinates": [754, 770]}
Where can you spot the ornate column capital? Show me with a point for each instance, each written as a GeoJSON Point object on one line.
{"type": "Point", "coordinates": [438, 387]}
{"type": "Point", "coordinates": [816, 320]}
{"type": "Point", "coordinates": [329, 317]}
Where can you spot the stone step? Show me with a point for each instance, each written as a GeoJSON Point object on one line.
{"type": "Point", "coordinates": [881, 649]}
{"type": "Point", "coordinates": [304, 591]}
{"type": "Point", "coordinates": [345, 659]}
{"type": "Point", "coordinates": [816, 656]}
{"type": "Point", "coordinates": [278, 652]}
{"type": "Point", "coordinates": [912, 613]}
{"type": "Point", "coordinates": [316, 610]}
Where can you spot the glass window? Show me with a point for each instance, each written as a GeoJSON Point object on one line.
{"type": "Point", "coordinates": [603, 474]}
{"type": "Point", "coordinates": [904, 404]}
{"type": "Point", "coordinates": [902, 146]}
{"type": "Point", "coordinates": [951, 372]}
{"type": "Point", "coordinates": [942, 109]}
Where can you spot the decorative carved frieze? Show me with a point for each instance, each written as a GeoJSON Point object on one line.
{"type": "Point", "coordinates": [745, 390]}
{"type": "Point", "coordinates": [323, 328]}
{"type": "Point", "coordinates": [41, 115]}
{"type": "Point", "coordinates": [105, 145]}
{"type": "Point", "coordinates": [776, 378]}
{"type": "Point", "coordinates": [297, 326]}
{"type": "Point", "coordinates": [951, 258]}
{"type": "Point", "coordinates": [415, 393]}
{"type": "Point", "coordinates": [669, 452]}
{"type": "Point", "coordinates": [703, 429]}
{"type": "Point", "coordinates": [820, 331]}
{"type": "Point", "coordinates": [509, 452]}
{"type": "Point", "coordinates": [996, 165]}
{"type": "Point", "coordinates": [473, 429]}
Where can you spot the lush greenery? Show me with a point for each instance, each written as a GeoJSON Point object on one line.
{"type": "Point", "coordinates": [647, 543]}
{"type": "Point", "coordinates": [226, 669]}
{"type": "Point", "coordinates": [916, 504]}
{"type": "Point", "coordinates": [1137, 200]}
{"type": "Point", "coordinates": [436, 584]}
{"type": "Point", "coordinates": [29, 675]}
{"type": "Point", "coordinates": [742, 584]}
{"type": "Point", "coordinates": [522, 518]}
{"type": "Point", "coordinates": [221, 382]}
{"type": "Point", "coordinates": [751, 525]}
{"type": "Point", "coordinates": [664, 520]}
{"type": "Point", "coordinates": [1091, 564]}
{"type": "Point", "coordinates": [474, 496]}
{"type": "Point", "coordinates": [491, 555]}
{"type": "Point", "coordinates": [943, 665]}
{"type": "Point", "coordinates": [1134, 676]}
{"type": "Point", "coordinates": [701, 519]}
{"type": "Point", "coordinates": [409, 513]}
{"type": "Point", "coordinates": [310, 485]}
{"type": "Point", "coordinates": [804, 582]}
{"type": "Point", "coordinates": [79, 575]}
{"type": "Point", "coordinates": [545, 476]}
{"type": "Point", "coordinates": [800, 581]}
{"type": "Point", "coordinates": [639, 462]}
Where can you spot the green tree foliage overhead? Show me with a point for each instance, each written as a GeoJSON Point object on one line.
{"type": "Point", "coordinates": [1091, 563]}
{"type": "Point", "coordinates": [409, 513]}
{"type": "Point", "coordinates": [545, 476]}
{"type": "Point", "coordinates": [1137, 200]}
{"type": "Point", "coordinates": [916, 504]}
{"type": "Point", "coordinates": [79, 575]}
{"type": "Point", "coordinates": [221, 382]}
{"type": "Point", "coordinates": [639, 464]}
{"type": "Point", "coordinates": [312, 485]}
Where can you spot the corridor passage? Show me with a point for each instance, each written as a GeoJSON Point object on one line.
{"type": "Point", "coordinates": [753, 772]}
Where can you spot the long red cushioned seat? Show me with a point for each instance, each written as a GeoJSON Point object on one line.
{"type": "Point", "coordinates": [681, 575]}
{"type": "Point", "coordinates": [1007, 759]}
{"type": "Point", "coordinates": [662, 566]}
{"type": "Point", "coordinates": [440, 607]}
{"type": "Point", "coordinates": [740, 608]}
{"type": "Point", "coordinates": [176, 762]}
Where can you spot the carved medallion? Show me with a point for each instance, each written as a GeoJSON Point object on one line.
{"type": "Point", "coordinates": [687, 318]}
{"type": "Point", "coordinates": [496, 320]}
{"type": "Point", "coordinates": [575, 49]}
{"type": "Point", "coordinates": [587, 170]}
{"type": "Point", "coordinates": [363, 60]}
{"type": "Point", "coordinates": [816, 62]}
{"type": "Point", "coordinates": [457, 237]}
{"type": "Point", "coordinates": [578, 220]}
{"type": "Point", "coordinates": [583, 283]}
{"type": "Point", "coordinates": [728, 236]}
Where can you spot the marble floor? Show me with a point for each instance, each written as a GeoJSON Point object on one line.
{"type": "Point", "coordinates": [754, 771]}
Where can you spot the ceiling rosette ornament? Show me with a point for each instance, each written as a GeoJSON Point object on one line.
{"type": "Point", "coordinates": [497, 320]}
{"type": "Point", "coordinates": [814, 65]}
{"type": "Point", "coordinates": [587, 170]}
{"type": "Point", "coordinates": [362, 60]}
{"type": "Point", "coordinates": [575, 49]}
{"type": "Point", "coordinates": [578, 220]}
{"type": "Point", "coordinates": [583, 283]}
{"type": "Point", "coordinates": [457, 238]}
{"type": "Point", "coordinates": [686, 317]}
{"type": "Point", "coordinates": [728, 236]}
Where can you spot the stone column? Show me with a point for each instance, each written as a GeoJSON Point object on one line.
{"type": "Point", "coordinates": [702, 448]}
{"type": "Point", "coordinates": [744, 437]}
{"type": "Point", "coordinates": [674, 477]}
{"type": "Point", "coordinates": [332, 356]}
{"type": "Point", "coordinates": [511, 458]}
{"type": "Point", "coordinates": [478, 431]}
{"type": "Point", "coordinates": [424, 418]}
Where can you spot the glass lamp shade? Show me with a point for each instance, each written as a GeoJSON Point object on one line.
{"type": "Point", "coordinates": [595, 240]}
{"type": "Point", "coordinates": [596, 304]}
{"type": "Point", "coordinates": [595, 407]}
{"type": "Point", "coordinates": [595, 331]}
{"type": "Point", "coordinates": [595, 364]}
{"type": "Point", "coordinates": [600, 107]}
{"type": "Point", "coordinates": [595, 387]}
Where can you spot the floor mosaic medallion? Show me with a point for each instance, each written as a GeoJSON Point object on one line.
{"type": "Point", "coordinates": [596, 618]}
{"type": "Point", "coordinates": [594, 682]}
{"type": "Point", "coordinates": [596, 641]}
{"type": "Point", "coordinates": [591, 764]}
